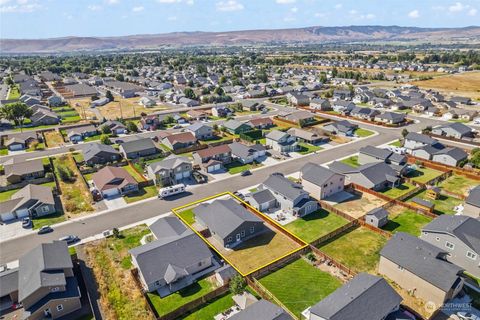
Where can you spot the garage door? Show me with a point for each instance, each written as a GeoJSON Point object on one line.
{"type": "Point", "coordinates": [16, 147]}
{"type": "Point", "coordinates": [178, 176]}
{"type": "Point", "coordinates": [7, 216]}
{"type": "Point", "coordinates": [263, 206]}
{"type": "Point", "coordinates": [110, 193]}
{"type": "Point", "coordinates": [214, 168]}
{"type": "Point", "coordinates": [22, 213]}
{"type": "Point", "coordinates": [186, 174]}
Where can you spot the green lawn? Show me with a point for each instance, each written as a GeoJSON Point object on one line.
{"type": "Point", "coordinates": [397, 143]}
{"type": "Point", "coordinates": [407, 221]}
{"type": "Point", "coordinates": [143, 193]}
{"type": "Point", "coordinates": [352, 161]}
{"type": "Point", "coordinates": [443, 205]}
{"type": "Point", "coordinates": [178, 299]}
{"type": "Point", "coordinates": [212, 308]}
{"type": "Point", "coordinates": [6, 195]}
{"type": "Point", "coordinates": [188, 215]}
{"type": "Point", "coordinates": [458, 184]}
{"type": "Point", "coordinates": [78, 156]}
{"type": "Point", "coordinates": [358, 249]}
{"type": "Point", "coordinates": [133, 173]}
{"type": "Point", "coordinates": [3, 152]}
{"type": "Point", "coordinates": [315, 225]}
{"type": "Point", "coordinates": [48, 220]}
{"type": "Point", "coordinates": [92, 138]}
{"type": "Point", "coordinates": [399, 191]}
{"type": "Point", "coordinates": [362, 133]}
{"type": "Point", "coordinates": [14, 92]}
{"type": "Point", "coordinates": [424, 175]}
{"type": "Point", "coordinates": [237, 167]}
{"type": "Point", "coordinates": [300, 285]}
{"type": "Point", "coordinates": [39, 146]}
{"type": "Point", "coordinates": [218, 138]}
{"type": "Point", "coordinates": [47, 126]}
{"type": "Point", "coordinates": [71, 119]}
{"type": "Point", "coordinates": [306, 148]}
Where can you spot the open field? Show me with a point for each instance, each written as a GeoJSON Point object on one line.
{"type": "Point", "coordinates": [424, 175]}
{"type": "Point", "coordinates": [110, 262]}
{"type": "Point", "coordinates": [75, 195]}
{"type": "Point", "coordinates": [443, 205]}
{"type": "Point", "coordinates": [53, 139]}
{"type": "Point", "coordinates": [300, 285]}
{"type": "Point", "coordinates": [360, 204]}
{"type": "Point", "coordinates": [401, 219]}
{"type": "Point", "coordinates": [458, 184]}
{"type": "Point", "coordinates": [464, 84]}
{"type": "Point", "coordinates": [315, 225]}
{"type": "Point", "coordinates": [358, 249]}
{"type": "Point", "coordinates": [399, 191]}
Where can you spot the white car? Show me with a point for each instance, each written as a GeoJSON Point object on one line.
{"type": "Point", "coordinates": [467, 316]}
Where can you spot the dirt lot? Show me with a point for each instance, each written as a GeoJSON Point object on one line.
{"type": "Point", "coordinates": [464, 84]}
{"type": "Point", "coordinates": [359, 205]}
{"type": "Point", "coordinates": [53, 139]}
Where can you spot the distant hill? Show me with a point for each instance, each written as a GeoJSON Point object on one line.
{"type": "Point", "coordinates": [248, 37]}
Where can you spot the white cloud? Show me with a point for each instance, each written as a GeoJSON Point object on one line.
{"type": "Point", "coordinates": [285, 1]}
{"type": "Point", "coordinates": [338, 6]}
{"type": "Point", "coordinates": [472, 12]}
{"type": "Point", "coordinates": [94, 7]}
{"type": "Point", "coordinates": [369, 16]}
{"type": "Point", "coordinates": [414, 14]}
{"type": "Point", "coordinates": [138, 9]}
{"type": "Point", "coordinates": [169, 1]}
{"type": "Point", "coordinates": [230, 5]}
{"type": "Point", "coordinates": [320, 15]}
{"type": "Point", "coordinates": [294, 9]}
{"type": "Point", "coordinates": [190, 2]}
{"type": "Point", "coordinates": [457, 7]}
{"type": "Point", "coordinates": [112, 1]}
{"type": "Point", "coordinates": [353, 12]}
{"type": "Point", "coordinates": [4, 2]}
{"type": "Point", "coordinates": [8, 6]}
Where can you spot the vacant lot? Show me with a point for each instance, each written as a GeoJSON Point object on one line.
{"type": "Point", "coordinates": [464, 84]}
{"type": "Point", "coordinates": [75, 195]}
{"type": "Point", "coordinates": [360, 205]}
{"type": "Point", "coordinates": [401, 219]}
{"type": "Point", "coordinates": [358, 249]}
{"type": "Point", "coordinates": [443, 205]}
{"type": "Point", "coordinates": [300, 285]}
{"type": "Point", "coordinates": [53, 139]}
{"type": "Point", "coordinates": [424, 175]}
{"type": "Point", "coordinates": [110, 262]}
{"type": "Point", "coordinates": [315, 225]}
{"type": "Point", "coordinates": [458, 184]}
{"type": "Point", "coordinates": [399, 191]}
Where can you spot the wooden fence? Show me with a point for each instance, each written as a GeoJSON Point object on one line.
{"type": "Point", "coordinates": [443, 167]}
{"type": "Point", "coordinates": [280, 263]}
{"type": "Point", "coordinates": [198, 146]}
{"type": "Point", "coordinates": [329, 207]}
{"type": "Point", "coordinates": [384, 233]}
{"type": "Point", "coordinates": [334, 233]}
{"type": "Point", "coordinates": [326, 258]}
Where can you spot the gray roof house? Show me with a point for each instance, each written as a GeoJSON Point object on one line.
{"type": "Point", "coordinates": [236, 127]}
{"type": "Point", "coordinates": [453, 130]}
{"type": "Point", "coordinates": [99, 153]}
{"type": "Point", "coordinates": [138, 148]}
{"type": "Point", "coordinates": [472, 203]}
{"type": "Point", "coordinates": [247, 154]}
{"type": "Point", "coordinates": [321, 182]}
{"type": "Point", "coordinates": [341, 128]}
{"type": "Point", "coordinates": [370, 154]}
{"type": "Point", "coordinates": [281, 141]}
{"type": "Point", "coordinates": [415, 140]}
{"type": "Point", "coordinates": [377, 217]}
{"type": "Point", "coordinates": [364, 297]}
{"type": "Point", "coordinates": [201, 131]}
{"type": "Point", "coordinates": [262, 310]}
{"type": "Point", "coordinates": [32, 200]}
{"type": "Point", "coordinates": [421, 268]}
{"type": "Point", "coordinates": [460, 236]}
{"type": "Point", "coordinates": [46, 282]}
{"type": "Point", "coordinates": [228, 221]}
{"type": "Point", "coordinates": [290, 196]}
{"type": "Point", "coordinates": [175, 259]}
{"type": "Point", "coordinates": [170, 170]}
{"type": "Point", "coordinates": [391, 117]}
{"type": "Point", "coordinates": [376, 176]}
{"type": "Point", "coordinates": [78, 133]}
{"type": "Point", "coordinates": [26, 170]}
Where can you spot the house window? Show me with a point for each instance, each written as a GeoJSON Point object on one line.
{"type": "Point", "coordinates": [60, 307]}
{"type": "Point", "coordinates": [157, 283]}
{"type": "Point", "coordinates": [252, 229]}
{"type": "Point", "coordinates": [55, 289]}
{"type": "Point", "coordinates": [229, 239]}
{"type": "Point", "coordinates": [400, 268]}
{"type": "Point", "coordinates": [45, 209]}
{"type": "Point", "coordinates": [449, 245]}
{"type": "Point", "coordinates": [471, 255]}
{"type": "Point", "coordinates": [242, 234]}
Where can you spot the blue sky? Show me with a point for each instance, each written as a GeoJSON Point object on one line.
{"type": "Point", "coordinates": [57, 18]}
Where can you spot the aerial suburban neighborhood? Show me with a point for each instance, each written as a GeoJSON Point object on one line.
{"type": "Point", "coordinates": [313, 173]}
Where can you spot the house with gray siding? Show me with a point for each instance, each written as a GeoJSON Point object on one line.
{"type": "Point", "coordinates": [472, 203]}
{"type": "Point", "coordinates": [170, 170]}
{"type": "Point", "coordinates": [460, 237]}
{"type": "Point", "coordinates": [201, 131]}
{"type": "Point", "coordinates": [455, 130]}
{"type": "Point", "coordinates": [26, 170]}
{"type": "Point", "coordinates": [228, 221]}
{"type": "Point", "coordinates": [138, 148]}
{"type": "Point", "coordinates": [321, 182]}
{"type": "Point", "coordinates": [30, 201]}
{"type": "Point", "coordinates": [415, 140]}
{"type": "Point", "coordinates": [377, 217]}
{"type": "Point", "coordinates": [281, 141]}
{"type": "Point", "coordinates": [99, 153]}
{"type": "Point", "coordinates": [247, 154]}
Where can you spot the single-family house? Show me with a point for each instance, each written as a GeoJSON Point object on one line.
{"type": "Point", "coordinates": [201, 131]}
{"type": "Point", "coordinates": [197, 115]}
{"type": "Point", "coordinates": [300, 118]}
{"type": "Point", "coordinates": [79, 133]}
{"type": "Point", "coordinates": [147, 102]}
{"type": "Point", "coordinates": [320, 104]}
{"type": "Point", "coordinates": [236, 127]}
{"type": "Point", "coordinates": [170, 170]}
{"type": "Point", "coordinates": [472, 203]}
{"type": "Point", "coordinates": [341, 128]}
{"type": "Point", "coordinates": [26, 170]}
{"type": "Point", "coordinates": [113, 181]}
{"type": "Point", "coordinates": [391, 117]}
{"type": "Point", "coordinates": [281, 141]}
{"type": "Point", "coordinates": [454, 130]}
{"type": "Point", "coordinates": [99, 153]}
{"type": "Point", "coordinates": [43, 117]}
{"type": "Point", "coordinates": [297, 99]}
{"type": "Point", "coordinates": [415, 140]}
{"type": "Point", "coordinates": [247, 154]}
{"type": "Point", "coordinates": [262, 310]}
{"type": "Point", "coordinates": [55, 101]}
{"type": "Point", "coordinates": [221, 111]}
{"type": "Point", "coordinates": [309, 136]}
{"type": "Point", "coordinates": [261, 123]}
{"type": "Point", "coordinates": [20, 141]}
{"type": "Point", "coordinates": [30, 201]}
{"type": "Point", "coordinates": [213, 158]}
{"type": "Point", "coordinates": [115, 126]}
{"type": "Point", "coordinates": [138, 148]}
{"type": "Point", "coordinates": [228, 221]}
{"type": "Point", "coordinates": [178, 141]}
{"type": "Point", "coordinates": [343, 107]}
{"type": "Point", "coordinates": [364, 113]}
{"type": "Point", "coordinates": [321, 182]}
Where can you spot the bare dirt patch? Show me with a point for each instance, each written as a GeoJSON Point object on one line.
{"type": "Point", "coordinates": [53, 139]}
{"type": "Point", "coordinates": [464, 84]}
{"type": "Point", "coordinates": [360, 205]}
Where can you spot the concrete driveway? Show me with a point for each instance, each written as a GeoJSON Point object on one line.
{"type": "Point", "coordinates": [12, 229]}
{"type": "Point", "coordinates": [115, 202]}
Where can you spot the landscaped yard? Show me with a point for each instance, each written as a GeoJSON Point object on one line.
{"type": "Point", "coordinates": [358, 249]}
{"type": "Point", "coordinates": [306, 148]}
{"type": "Point", "coordinates": [14, 92]}
{"type": "Point", "coordinates": [362, 133]}
{"type": "Point", "coordinates": [212, 308]}
{"type": "Point", "coordinates": [48, 220]}
{"type": "Point", "coordinates": [187, 215]}
{"type": "Point", "coordinates": [351, 161]}
{"type": "Point", "coordinates": [143, 193]}
{"type": "Point", "coordinates": [399, 191]}
{"type": "Point", "coordinates": [397, 143]}
{"type": "Point", "coordinates": [405, 220]}
{"type": "Point", "coordinates": [315, 225]}
{"type": "Point", "coordinates": [300, 285]}
{"type": "Point", "coordinates": [237, 167]}
{"type": "Point", "coordinates": [458, 184]}
{"type": "Point", "coordinates": [424, 175]}
{"type": "Point", "coordinates": [3, 151]}
{"type": "Point", "coordinates": [138, 177]}
{"type": "Point", "coordinates": [443, 205]}
{"type": "Point", "coordinates": [53, 138]}
{"type": "Point", "coordinates": [75, 195]}
{"type": "Point", "coordinates": [110, 261]}
{"type": "Point", "coordinates": [179, 298]}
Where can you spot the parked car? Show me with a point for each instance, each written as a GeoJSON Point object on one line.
{"type": "Point", "coordinates": [26, 222]}
{"type": "Point", "coordinates": [467, 316]}
{"type": "Point", "coordinates": [107, 233]}
{"type": "Point", "coordinates": [45, 229]}
{"type": "Point", "coordinates": [238, 194]}
{"type": "Point", "coordinates": [199, 178]}
{"type": "Point", "coordinates": [246, 173]}
{"type": "Point", "coordinates": [69, 239]}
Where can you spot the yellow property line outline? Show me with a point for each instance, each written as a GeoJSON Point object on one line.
{"type": "Point", "coordinates": [177, 210]}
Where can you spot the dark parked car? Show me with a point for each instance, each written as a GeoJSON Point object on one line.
{"type": "Point", "coordinates": [69, 239]}
{"type": "Point", "coordinates": [26, 223]}
{"type": "Point", "coordinates": [199, 178]}
{"type": "Point", "coordinates": [45, 229]}
{"type": "Point", "coordinates": [246, 173]}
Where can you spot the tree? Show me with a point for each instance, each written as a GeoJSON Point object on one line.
{"type": "Point", "coordinates": [475, 157]}
{"type": "Point", "coordinates": [169, 119]}
{"type": "Point", "coordinates": [109, 95]}
{"type": "Point", "coordinates": [65, 173]}
{"type": "Point", "coordinates": [404, 133]}
{"type": "Point", "coordinates": [16, 112]}
{"type": "Point", "coordinates": [93, 98]}
{"type": "Point", "coordinates": [105, 139]}
{"type": "Point", "coordinates": [215, 127]}
{"type": "Point", "coordinates": [116, 233]}
{"type": "Point", "coordinates": [237, 284]}
{"type": "Point", "coordinates": [189, 93]}
{"type": "Point", "coordinates": [131, 126]}
{"type": "Point", "coordinates": [427, 130]}
{"type": "Point", "coordinates": [120, 77]}
{"type": "Point", "coordinates": [105, 129]}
